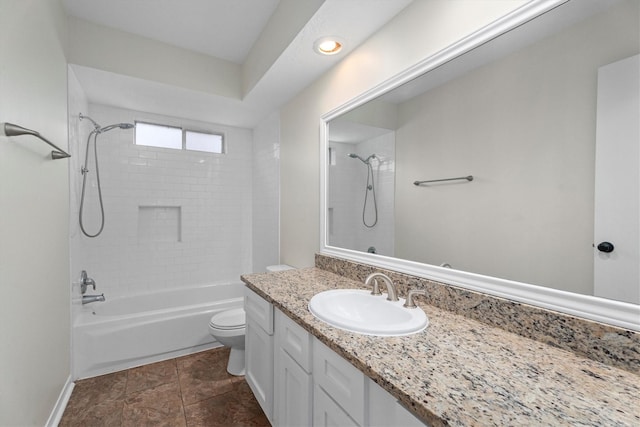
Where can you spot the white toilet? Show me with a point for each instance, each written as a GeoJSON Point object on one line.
{"type": "Point", "coordinates": [228, 328]}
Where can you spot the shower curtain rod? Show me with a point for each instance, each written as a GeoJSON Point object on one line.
{"type": "Point", "coordinates": [468, 178]}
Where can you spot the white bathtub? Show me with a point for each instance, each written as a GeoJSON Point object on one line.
{"type": "Point", "coordinates": [131, 331]}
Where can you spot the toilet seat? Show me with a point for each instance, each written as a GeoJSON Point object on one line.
{"type": "Point", "coordinates": [228, 328]}
{"type": "Point", "coordinates": [229, 320]}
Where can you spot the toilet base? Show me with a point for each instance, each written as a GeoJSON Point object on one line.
{"type": "Point", "coordinates": [235, 366]}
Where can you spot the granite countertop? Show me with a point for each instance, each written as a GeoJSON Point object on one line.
{"type": "Point", "coordinates": [462, 372]}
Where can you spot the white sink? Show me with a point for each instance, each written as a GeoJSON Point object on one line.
{"type": "Point", "coordinates": [358, 311]}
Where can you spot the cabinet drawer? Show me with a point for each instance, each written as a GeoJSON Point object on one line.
{"type": "Point", "coordinates": [343, 382]}
{"type": "Point", "coordinates": [259, 310]}
{"type": "Point", "coordinates": [293, 339]}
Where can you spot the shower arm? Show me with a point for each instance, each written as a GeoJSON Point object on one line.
{"type": "Point", "coordinates": [95, 125]}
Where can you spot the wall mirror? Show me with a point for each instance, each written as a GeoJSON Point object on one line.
{"type": "Point", "coordinates": [504, 163]}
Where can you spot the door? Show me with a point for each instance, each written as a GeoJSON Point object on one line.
{"type": "Point", "coordinates": [617, 189]}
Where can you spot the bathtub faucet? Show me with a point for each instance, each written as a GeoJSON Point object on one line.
{"type": "Point", "coordinates": [92, 298]}
{"type": "Point", "coordinates": [85, 282]}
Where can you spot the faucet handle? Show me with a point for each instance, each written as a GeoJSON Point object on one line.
{"type": "Point", "coordinates": [409, 303]}
{"type": "Point", "coordinates": [86, 281]}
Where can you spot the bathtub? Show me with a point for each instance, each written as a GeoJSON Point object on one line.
{"type": "Point", "coordinates": [125, 332]}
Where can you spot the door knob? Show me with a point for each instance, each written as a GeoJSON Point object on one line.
{"type": "Point", "coordinates": [605, 247]}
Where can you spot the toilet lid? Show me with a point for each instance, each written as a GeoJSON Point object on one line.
{"type": "Point", "coordinates": [229, 319]}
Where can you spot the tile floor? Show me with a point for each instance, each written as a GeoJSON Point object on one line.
{"type": "Point", "coordinates": [189, 391]}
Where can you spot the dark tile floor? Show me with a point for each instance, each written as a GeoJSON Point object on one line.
{"type": "Point", "coordinates": [189, 391]}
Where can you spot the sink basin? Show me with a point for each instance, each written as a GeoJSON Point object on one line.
{"type": "Point", "coordinates": [356, 310]}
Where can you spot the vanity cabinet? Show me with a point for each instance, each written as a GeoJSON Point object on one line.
{"type": "Point", "coordinates": [259, 350]}
{"type": "Point", "coordinates": [314, 386]}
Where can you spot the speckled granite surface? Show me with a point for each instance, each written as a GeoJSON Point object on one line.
{"type": "Point", "coordinates": [607, 344]}
{"type": "Point", "coordinates": [463, 372]}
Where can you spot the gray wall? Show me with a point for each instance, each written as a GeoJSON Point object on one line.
{"type": "Point", "coordinates": [34, 213]}
{"type": "Point", "coordinates": [420, 30]}
{"type": "Point", "coordinates": [525, 128]}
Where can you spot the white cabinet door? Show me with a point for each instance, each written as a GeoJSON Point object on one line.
{"type": "Point", "coordinates": [293, 392]}
{"type": "Point", "coordinates": [327, 413]}
{"type": "Point", "coordinates": [259, 365]}
{"type": "Point", "coordinates": [385, 410]}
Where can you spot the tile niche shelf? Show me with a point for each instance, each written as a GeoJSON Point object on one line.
{"type": "Point", "coordinates": [159, 224]}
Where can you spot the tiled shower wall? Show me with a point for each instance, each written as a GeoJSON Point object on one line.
{"type": "Point", "coordinates": [173, 218]}
{"type": "Point", "coordinates": [347, 182]}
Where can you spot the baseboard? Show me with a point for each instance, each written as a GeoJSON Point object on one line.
{"type": "Point", "coordinates": [61, 404]}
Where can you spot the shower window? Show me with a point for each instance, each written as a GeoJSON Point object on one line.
{"type": "Point", "coordinates": [158, 136]}
{"type": "Point", "coordinates": [199, 141]}
{"type": "Point", "coordinates": [178, 138]}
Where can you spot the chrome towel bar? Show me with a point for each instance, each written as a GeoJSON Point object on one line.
{"type": "Point", "coordinates": [9, 129]}
{"type": "Point", "coordinates": [468, 178]}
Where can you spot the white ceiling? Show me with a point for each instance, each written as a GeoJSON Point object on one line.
{"type": "Point", "coordinates": [221, 28]}
{"type": "Point", "coordinates": [226, 29]}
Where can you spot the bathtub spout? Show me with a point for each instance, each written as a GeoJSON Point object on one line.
{"type": "Point", "coordinates": [92, 298]}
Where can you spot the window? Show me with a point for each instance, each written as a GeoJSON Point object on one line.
{"type": "Point", "coordinates": [209, 142]}
{"type": "Point", "coordinates": [178, 138]}
{"type": "Point", "coordinates": [158, 136]}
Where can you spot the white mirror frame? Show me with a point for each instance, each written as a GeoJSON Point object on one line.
{"type": "Point", "coordinates": [611, 312]}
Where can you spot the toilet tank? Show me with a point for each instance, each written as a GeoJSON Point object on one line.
{"type": "Point", "coordinates": [279, 267]}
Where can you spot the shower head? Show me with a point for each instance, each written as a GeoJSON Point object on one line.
{"type": "Point", "coordinates": [117, 125]}
{"type": "Point", "coordinates": [365, 161]}
{"type": "Point", "coordinates": [100, 129]}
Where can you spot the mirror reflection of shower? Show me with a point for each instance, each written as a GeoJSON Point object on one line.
{"type": "Point", "coordinates": [97, 130]}
{"type": "Point", "coordinates": [370, 187]}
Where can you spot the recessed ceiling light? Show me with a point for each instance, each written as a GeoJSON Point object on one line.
{"type": "Point", "coordinates": [328, 45]}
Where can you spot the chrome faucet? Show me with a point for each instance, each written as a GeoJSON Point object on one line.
{"type": "Point", "coordinates": [86, 281]}
{"type": "Point", "coordinates": [92, 298]}
{"type": "Point", "coordinates": [410, 296]}
{"type": "Point", "coordinates": [392, 293]}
